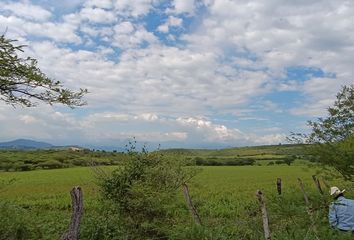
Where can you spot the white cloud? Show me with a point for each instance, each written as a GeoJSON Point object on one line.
{"type": "Point", "coordinates": [320, 93]}
{"type": "Point", "coordinates": [269, 139]}
{"type": "Point", "coordinates": [277, 35]}
{"type": "Point", "coordinates": [28, 119]}
{"type": "Point", "coordinates": [171, 22]}
{"type": "Point", "coordinates": [211, 132]}
{"type": "Point", "coordinates": [150, 117]}
{"type": "Point", "coordinates": [129, 36]}
{"type": "Point", "coordinates": [163, 28]}
{"type": "Point", "coordinates": [135, 8]}
{"type": "Point", "coordinates": [229, 58]}
{"type": "Point", "coordinates": [184, 6]}
{"type": "Point", "coordinates": [61, 32]}
{"type": "Point", "coordinates": [97, 15]}
{"type": "Point", "coordinates": [27, 10]}
{"type": "Point", "coordinates": [106, 4]}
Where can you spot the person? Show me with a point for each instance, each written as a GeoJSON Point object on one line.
{"type": "Point", "coordinates": [341, 211]}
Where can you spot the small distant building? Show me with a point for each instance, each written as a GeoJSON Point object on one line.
{"type": "Point", "coordinates": [75, 149]}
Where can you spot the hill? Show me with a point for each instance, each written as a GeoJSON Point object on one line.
{"type": "Point", "coordinates": [24, 144]}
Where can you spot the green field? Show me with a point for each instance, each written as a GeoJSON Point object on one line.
{"type": "Point", "coordinates": [223, 195]}
{"type": "Point", "coordinates": [20, 160]}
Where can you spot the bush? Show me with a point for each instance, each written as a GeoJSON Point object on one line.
{"type": "Point", "coordinates": [51, 164]}
{"type": "Point", "coordinates": [143, 191]}
{"type": "Point", "coordinates": [214, 161]}
{"type": "Point", "coordinates": [24, 167]}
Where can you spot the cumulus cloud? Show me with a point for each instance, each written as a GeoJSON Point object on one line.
{"type": "Point", "coordinates": [231, 56]}
{"type": "Point", "coordinates": [26, 10]}
{"type": "Point", "coordinates": [280, 34]}
{"type": "Point", "coordinates": [133, 8]}
{"type": "Point", "coordinates": [127, 35]}
{"type": "Point", "coordinates": [171, 22]}
{"type": "Point", "coordinates": [211, 132]}
{"type": "Point", "coordinates": [184, 6]}
{"type": "Point", "coordinates": [60, 32]}
{"type": "Point", "coordinates": [106, 4]}
{"type": "Point", "coordinates": [97, 15]}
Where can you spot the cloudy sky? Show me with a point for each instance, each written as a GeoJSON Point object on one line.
{"type": "Point", "coordinates": [182, 73]}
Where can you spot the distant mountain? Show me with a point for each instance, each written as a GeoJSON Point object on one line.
{"type": "Point", "coordinates": [24, 144]}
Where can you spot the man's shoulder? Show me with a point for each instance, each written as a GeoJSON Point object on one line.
{"type": "Point", "coordinates": [344, 201]}
{"type": "Point", "coordinates": [341, 201]}
{"type": "Point", "coordinates": [350, 201]}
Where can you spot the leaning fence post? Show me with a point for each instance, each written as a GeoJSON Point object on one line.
{"type": "Point", "coordinates": [317, 183]}
{"type": "Point", "coordinates": [191, 207]}
{"type": "Point", "coordinates": [265, 219]}
{"type": "Point", "coordinates": [303, 192]}
{"type": "Point", "coordinates": [279, 186]}
{"type": "Point", "coordinates": [77, 211]}
{"type": "Point", "coordinates": [309, 210]}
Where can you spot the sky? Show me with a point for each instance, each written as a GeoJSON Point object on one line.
{"type": "Point", "coordinates": [181, 73]}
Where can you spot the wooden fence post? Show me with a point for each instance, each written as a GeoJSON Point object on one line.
{"type": "Point", "coordinates": [303, 192]}
{"type": "Point", "coordinates": [265, 219]}
{"type": "Point", "coordinates": [191, 207]}
{"type": "Point", "coordinates": [309, 209]}
{"type": "Point", "coordinates": [317, 183]}
{"type": "Point", "coordinates": [77, 211]}
{"type": "Point", "coordinates": [279, 186]}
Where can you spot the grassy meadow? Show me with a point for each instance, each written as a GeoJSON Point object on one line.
{"type": "Point", "coordinates": [36, 204]}
{"type": "Point", "coordinates": [223, 195]}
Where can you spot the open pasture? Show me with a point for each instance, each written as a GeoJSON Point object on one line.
{"type": "Point", "coordinates": [224, 197]}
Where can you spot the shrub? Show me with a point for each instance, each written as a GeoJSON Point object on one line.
{"type": "Point", "coordinates": [25, 167]}
{"type": "Point", "coordinates": [51, 164]}
{"type": "Point", "coordinates": [143, 191]}
{"type": "Point", "coordinates": [199, 161]}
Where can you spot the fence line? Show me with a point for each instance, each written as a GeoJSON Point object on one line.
{"type": "Point", "coordinates": [77, 208]}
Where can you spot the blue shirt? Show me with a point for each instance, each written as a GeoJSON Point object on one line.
{"type": "Point", "coordinates": [341, 214]}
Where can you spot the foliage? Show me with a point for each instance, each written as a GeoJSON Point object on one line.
{"type": "Point", "coordinates": [14, 223]}
{"type": "Point", "coordinates": [339, 125]}
{"type": "Point", "coordinates": [103, 224]}
{"type": "Point", "coordinates": [332, 138]}
{"type": "Point", "coordinates": [19, 160]}
{"type": "Point", "coordinates": [21, 81]}
{"type": "Point", "coordinates": [144, 191]}
{"type": "Point", "coordinates": [289, 160]}
{"type": "Point", "coordinates": [267, 152]}
{"type": "Point", "coordinates": [213, 161]}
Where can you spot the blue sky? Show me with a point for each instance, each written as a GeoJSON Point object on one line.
{"type": "Point", "coordinates": [181, 73]}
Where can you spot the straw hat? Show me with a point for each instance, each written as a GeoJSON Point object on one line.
{"type": "Point", "coordinates": [335, 191]}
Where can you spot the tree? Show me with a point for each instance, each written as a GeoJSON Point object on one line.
{"type": "Point", "coordinates": [332, 138]}
{"type": "Point", "coordinates": [22, 82]}
{"type": "Point", "coordinates": [289, 160]}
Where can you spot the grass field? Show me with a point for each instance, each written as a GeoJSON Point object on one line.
{"type": "Point", "coordinates": [224, 197]}
{"type": "Point", "coordinates": [20, 160]}
{"type": "Point", "coordinates": [53, 185]}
